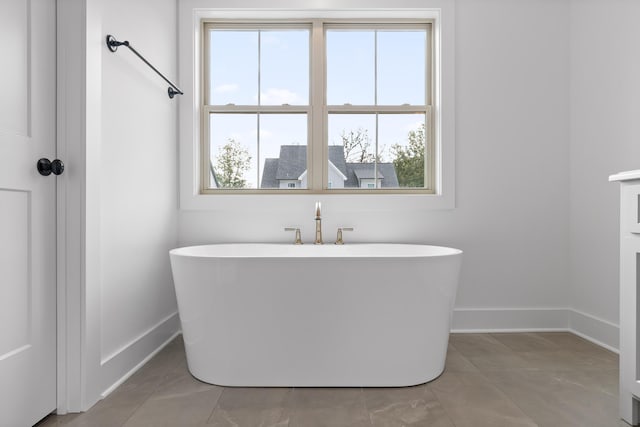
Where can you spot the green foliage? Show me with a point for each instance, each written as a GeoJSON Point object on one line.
{"type": "Point", "coordinates": [232, 161]}
{"type": "Point", "coordinates": [409, 159]}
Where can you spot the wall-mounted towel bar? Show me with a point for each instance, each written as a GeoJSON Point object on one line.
{"type": "Point", "coordinates": [113, 44]}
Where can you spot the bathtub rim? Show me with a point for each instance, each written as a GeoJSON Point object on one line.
{"type": "Point", "coordinates": [313, 251]}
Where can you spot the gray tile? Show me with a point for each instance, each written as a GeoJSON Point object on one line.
{"type": "Point", "coordinates": [312, 398]}
{"type": "Point", "coordinates": [546, 379]}
{"type": "Point", "coordinates": [167, 360]}
{"type": "Point", "coordinates": [574, 343]}
{"type": "Point", "coordinates": [471, 400]}
{"type": "Point", "coordinates": [486, 353]}
{"type": "Point", "coordinates": [478, 345]}
{"type": "Point", "coordinates": [181, 383]}
{"type": "Point", "coordinates": [548, 351]}
{"type": "Point", "coordinates": [327, 407]}
{"type": "Point", "coordinates": [180, 400]}
{"type": "Point", "coordinates": [565, 360]}
{"type": "Point", "coordinates": [405, 406]}
{"type": "Point", "coordinates": [50, 421]}
{"type": "Point", "coordinates": [456, 362]}
{"type": "Point", "coordinates": [183, 410]}
{"type": "Point", "coordinates": [57, 420]}
{"type": "Point", "coordinates": [500, 362]}
{"type": "Point", "coordinates": [121, 404]}
{"type": "Point", "coordinates": [604, 381]}
{"type": "Point", "coordinates": [104, 414]}
{"type": "Point", "coordinates": [134, 391]}
{"type": "Point", "coordinates": [239, 406]}
{"type": "Point", "coordinates": [558, 398]}
{"type": "Point", "coordinates": [528, 342]}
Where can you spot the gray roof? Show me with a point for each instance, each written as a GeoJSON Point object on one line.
{"type": "Point", "coordinates": [390, 177]}
{"type": "Point", "coordinates": [293, 162]}
{"type": "Point", "coordinates": [365, 172]}
{"type": "Point", "coordinates": [357, 171]}
{"type": "Point", "coordinates": [269, 174]}
{"type": "Point", "coordinates": [336, 156]}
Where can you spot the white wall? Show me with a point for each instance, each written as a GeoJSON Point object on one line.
{"type": "Point", "coordinates": [605, 139]}
{"type": "Point", "coordinates": [512, 152]}
{"type": "Point", "coordinates": [129, 187]}
{"type": "Point", "coordinates": [138, 171]}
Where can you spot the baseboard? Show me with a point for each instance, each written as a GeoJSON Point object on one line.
{"type": "Point", "coordinates": [591, 328]}
{"type": "Point", "coordinates": [509, 319]}
{"type": "Point", "coordinates": [120, 365]}
{"type": "Point", "coordinates": [594, 329]}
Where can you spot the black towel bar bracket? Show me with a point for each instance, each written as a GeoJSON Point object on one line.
{"type": "Point", "coordinates": [113, 44]}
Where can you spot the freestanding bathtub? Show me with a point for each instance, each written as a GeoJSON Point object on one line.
{"type": "Point", "coordinates": [359, 315]}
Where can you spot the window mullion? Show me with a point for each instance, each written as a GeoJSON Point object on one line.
{"type": "Point", "coordinates": [316, 161]}
{"type": "Point", "coordinates": [258, 114]}
{"type": "Point", "coordinates": [375, 101]}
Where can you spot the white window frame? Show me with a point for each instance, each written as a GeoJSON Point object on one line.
{"type": "Point", "coordinates": [191, 15]}
{"type": "Point", "coordinates": [377, 109]}
{"type": "Point", "coordinates": [259, 110]}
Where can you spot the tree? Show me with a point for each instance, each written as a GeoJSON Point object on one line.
{"type": "Point", "coordinates": [232, 161]}
{"type": "Point", "coordinates": [357, 147]}
{"type": "Point", "coordinates": [409, 159]}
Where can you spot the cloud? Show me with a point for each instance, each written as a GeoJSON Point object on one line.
{"type": "Point", "coordinates": [264, 133]}
{"type": "Point", "coordinates": [413, 126]}
{"type": "Point", "coordinates": [228, 87]}
{"type": "Point", "coordinates": [275, 96]}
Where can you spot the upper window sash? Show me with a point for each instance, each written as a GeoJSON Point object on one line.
{"type": "Point", "coordinates": [260, 28]}
{"type": "Point", "coordinates": [397, 26]}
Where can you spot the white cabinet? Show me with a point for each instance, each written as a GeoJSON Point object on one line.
{"type": "Point", "coordinates": [629, 284]}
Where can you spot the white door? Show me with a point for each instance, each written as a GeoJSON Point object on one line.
{"type": "Point", "coordinates": [27, 212]}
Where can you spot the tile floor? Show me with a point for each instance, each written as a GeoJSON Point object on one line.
{"type": "Point", "coordinates": [551, 379]}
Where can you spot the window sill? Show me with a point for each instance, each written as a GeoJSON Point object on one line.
{"type": "Point", "coordinates": [272, 202]}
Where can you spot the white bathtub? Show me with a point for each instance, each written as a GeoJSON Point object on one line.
{"type": "Point", "coordinates": [358, 315]}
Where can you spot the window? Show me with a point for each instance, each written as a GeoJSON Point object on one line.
{"type": "Point", "coordinates": [256, 105]}
{"type": "Point", "coordinates": [378, 103]}
{"type": "Point", "coordinates": [317, 106]}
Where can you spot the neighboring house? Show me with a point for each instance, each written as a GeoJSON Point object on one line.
{"type": "Point", "coordinates": [290, 170]}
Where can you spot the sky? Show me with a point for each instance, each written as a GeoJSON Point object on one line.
{"type": "Point", "coordinates": [280, 68]}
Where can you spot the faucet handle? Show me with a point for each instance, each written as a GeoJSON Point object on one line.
{"type": "Point", "coordinates": [339, 240]}
{"type": "Point", "coordinates": [298, 240]}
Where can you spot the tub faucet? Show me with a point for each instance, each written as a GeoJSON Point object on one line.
{"type": "Point", "coordinates": [339, 240]}
{"type": "Point", "coordinates": [298, 240]}
{"type": "Point", "coordinates": [318, 240]}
